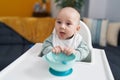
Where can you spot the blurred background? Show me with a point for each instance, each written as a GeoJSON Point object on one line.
{"type": "Point", "coordinates": [104, 9]}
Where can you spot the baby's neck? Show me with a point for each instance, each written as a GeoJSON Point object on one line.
{"type": "Point", "coordinates": [70, 37]}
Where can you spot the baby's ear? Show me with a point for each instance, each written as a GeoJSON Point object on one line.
{"type": "Point", "coordinates": [78, 28]}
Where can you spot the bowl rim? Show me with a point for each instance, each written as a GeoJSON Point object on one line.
{"type": "Point", "coordinates": [59, 62]}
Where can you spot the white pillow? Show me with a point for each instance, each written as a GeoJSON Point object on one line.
{"type": "Point", "coordinates": [112, 33]}
{"type": "Point", "coordinates": [98, 28]}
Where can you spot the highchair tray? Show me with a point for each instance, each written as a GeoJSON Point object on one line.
{"type": "Point", "coordinates": [31, 67]}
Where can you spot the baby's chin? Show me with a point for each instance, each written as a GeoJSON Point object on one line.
{"type": "Point", "coordinates": [62, 38]}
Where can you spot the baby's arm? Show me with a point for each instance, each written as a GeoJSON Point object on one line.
{"type": "Point", "coordinates": [82, 51]}
{"type": "Point", "coordinates": [47, 46]}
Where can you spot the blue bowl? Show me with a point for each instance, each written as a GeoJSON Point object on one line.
{"type": "Point", "coordinates": [60, 62]}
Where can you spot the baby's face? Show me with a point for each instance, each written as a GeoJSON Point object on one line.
{"type": "Point", "coordinates": [66, 24]}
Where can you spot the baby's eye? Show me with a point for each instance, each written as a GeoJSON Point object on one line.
{"type": "Point", "coordinates": [68, 24]}
{"type": "Point", "coordinates": [59, 22]}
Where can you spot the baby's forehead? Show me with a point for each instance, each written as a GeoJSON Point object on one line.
{"type": "Point", "coordinates": [69, 11]}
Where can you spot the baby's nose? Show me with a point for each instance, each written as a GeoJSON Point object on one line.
{"type": "Point", "coordinates": [62, 26]}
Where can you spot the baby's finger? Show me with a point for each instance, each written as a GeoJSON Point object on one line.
{"type": "Point", "coordinates": [65, 50]}
{"type": "Point", "coordinates": [57, 50]}
{"type": "Point", "coordinates": [61, 48]}
{"type": "Point", "coordinates": [68, 51]}
{"type": "Point", "coordinates": [53, 50]}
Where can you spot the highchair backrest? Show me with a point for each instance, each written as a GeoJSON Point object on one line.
{"type": "Point", "coordinates": [85, 33]}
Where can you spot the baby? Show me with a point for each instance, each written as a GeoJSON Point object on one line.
{"type": "Point", "coordinates": [66, 37]}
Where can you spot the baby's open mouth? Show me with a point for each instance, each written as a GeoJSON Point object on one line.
{"type": "Point", "coordinates": [62, 33]}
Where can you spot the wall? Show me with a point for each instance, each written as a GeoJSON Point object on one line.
{"type": "Point", "coordinates": [55, 9]}
{"type": "Point", "coordinates": [97, 8]}
{"type": "Point", "coordinates": [113, 11]}
{"type": "Point", "coordinates": [104, 9]}
{"type": "Point", "coordinates": [23, 8]}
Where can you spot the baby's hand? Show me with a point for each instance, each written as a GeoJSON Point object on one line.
{"type": "Point", "coordinates": [57, 49]}
{"type": "Point", "coordinates": [68, 51]}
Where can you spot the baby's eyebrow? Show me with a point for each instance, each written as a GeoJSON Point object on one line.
{"type": "Point", "coordinates": [58, 19]}
{"type": "Point", "coordinates": [69, 21]}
